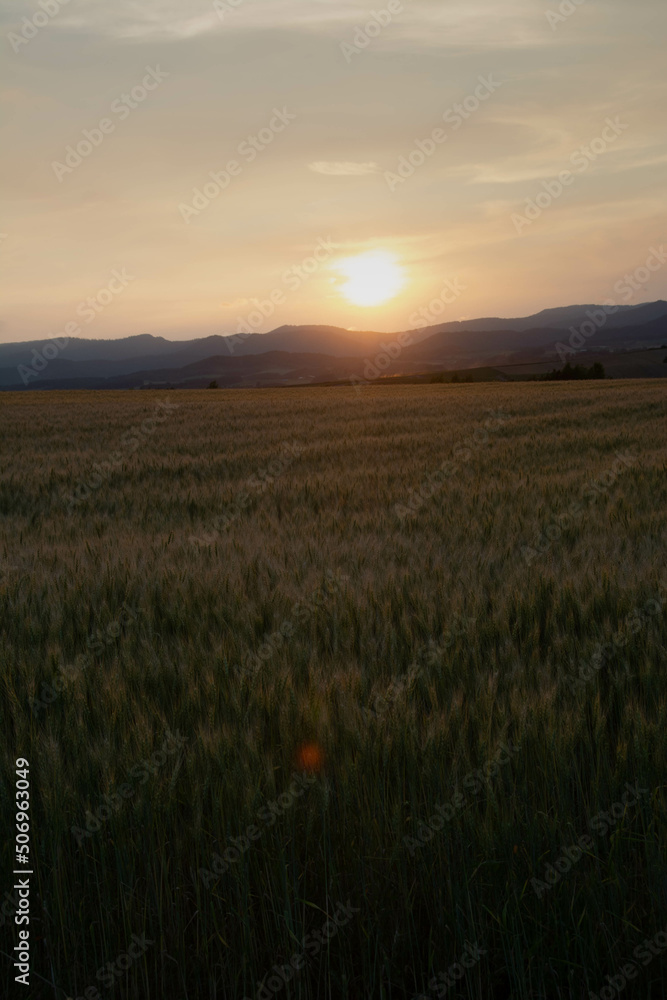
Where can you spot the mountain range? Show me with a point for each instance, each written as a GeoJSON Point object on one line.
{"type": "Point", "coordinates": [298, 355]}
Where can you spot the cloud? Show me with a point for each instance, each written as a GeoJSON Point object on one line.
{"type": "Point", "coordinates": [136, 21]}
{"type": "Point", "coordinates": [127, 20]}
{"type": "Point", "coordinates": [344, 168]}
{"type": "Point", "coordinates": [228, 73]}
{"type": "Point", "coordinates": [234, 303]}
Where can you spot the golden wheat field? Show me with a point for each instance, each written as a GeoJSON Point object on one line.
{"type": "Point", "coordinates": [338, 694]}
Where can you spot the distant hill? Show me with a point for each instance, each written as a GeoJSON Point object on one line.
{"type": "Point", "coordinates": [560, 318]}
{"type": "Point", "coordinates": [251, 370]}
{"type": "Point", "coordinates": [303, 354]}
{"type": "Point", "coordinates": [330, 339]}
{"type": "Point", "coordinates": [107, 358]}
{"type": "Point", "coordinates": [494, 346]}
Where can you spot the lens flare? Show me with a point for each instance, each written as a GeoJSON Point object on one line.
{"type": "Point", "coordinates": [309, 757]}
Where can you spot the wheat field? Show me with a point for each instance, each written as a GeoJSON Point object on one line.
{"type": "Point", "coordinates": [330, 693]}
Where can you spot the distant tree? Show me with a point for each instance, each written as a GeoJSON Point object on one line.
{"type": "Point", "coordinates": [569, 373]}
{"type": "Point", "coordinates": [455, 377]}
{"type": "Point", "coordinates": [212, 385]}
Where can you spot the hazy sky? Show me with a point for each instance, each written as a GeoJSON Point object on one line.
{"type": "Point", "coordinates": [324, 171]}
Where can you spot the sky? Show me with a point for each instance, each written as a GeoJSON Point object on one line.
{"type": "Point", "coordinates": [476, 158]}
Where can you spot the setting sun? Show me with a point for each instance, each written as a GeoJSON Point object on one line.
{"type": "Point", "coordinates": [373, 278]}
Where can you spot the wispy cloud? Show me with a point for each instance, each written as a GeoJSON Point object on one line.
{"type": "Point", "coordinates": [234, 303]}
{"type": "Point", "coordinates": [126, 20]}
{"type": "Point", "coordinates": [422, 22]}
{"type": "Point", "coordinates": [343, 168]}
{"type": "Point", "coordinates": [166, 20]}
{"type": "Point", "coordinates": [324, 179]}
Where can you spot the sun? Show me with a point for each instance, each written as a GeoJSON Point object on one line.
{"type": "Point", "coordinates": [372, 278]}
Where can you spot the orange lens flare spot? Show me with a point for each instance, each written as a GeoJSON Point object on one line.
{"type": "Point", "coordinates": [309, 757]}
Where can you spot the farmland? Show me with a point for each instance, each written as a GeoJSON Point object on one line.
{"type": "Point", "coordinates": [369, 681]}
